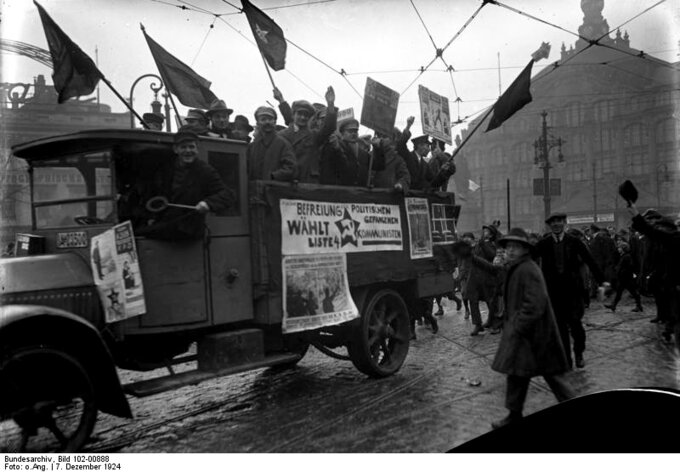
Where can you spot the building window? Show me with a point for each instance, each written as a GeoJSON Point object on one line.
{"type": "Point", "coordinates": [635, 135]}
{"type": "Point", "coordinates": [667, 131]}
{"type": "Point", "coordinates": [574, 114]}
{"type": "Point", "coordinates": [604, 110]}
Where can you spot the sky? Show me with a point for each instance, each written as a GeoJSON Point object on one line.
{"type": "Point", "coordinates": [381, 39]}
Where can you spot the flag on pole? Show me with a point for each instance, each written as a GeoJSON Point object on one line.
{"type": "Point", "coordinates": [518, 94]}
{"type": "Point", "coordinates": [268, 35]}
{"type": "Point", "coordinates": [74, 73]}
{"type": "Point", "coordinates": [191, 89]}
{"type": "Point", "coordinates": [473, 186]}
{"type": "Point", "coordinates": [513, 99]}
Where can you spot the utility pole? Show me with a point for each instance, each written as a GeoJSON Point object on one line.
{"type": "Point", "coordinates": [542, 147]}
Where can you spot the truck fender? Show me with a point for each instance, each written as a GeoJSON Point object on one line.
{"type": "Point", "coordinates": [31, 325]}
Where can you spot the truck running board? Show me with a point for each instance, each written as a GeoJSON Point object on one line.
{"type": "Point", "coordinates": [156, 385]}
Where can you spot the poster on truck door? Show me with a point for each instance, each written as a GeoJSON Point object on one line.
{"type": "Point", "coordinates": [315, 292]}
{"type": "Point", "coordinates": [419, 227]}
{"type": "Point", "coordinates": [115, 269]}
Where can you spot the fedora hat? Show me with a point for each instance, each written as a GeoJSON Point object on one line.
{"type": "Point", "coordinates": [517, 235]}
{"type": "Point", "coordinates": [218, 105]}
{"type": "Point", "coordinates": [241, 121]}
{"type": "Point", "coordinates": [196, 114]}
{"type": "Point", "coordinates": [628, 192]}
{"type": "Point", "coordinates": [556, 216]}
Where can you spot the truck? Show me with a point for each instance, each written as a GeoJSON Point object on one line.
{"type": "Point", "coordinates": [287, 266]}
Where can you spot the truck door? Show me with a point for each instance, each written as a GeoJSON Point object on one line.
{"type": "Point", "coordinates": [228, 249]}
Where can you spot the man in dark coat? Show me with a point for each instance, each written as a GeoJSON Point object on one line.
{"type": "Point", "coordinates": [426, 175]}
{"type": "Point", "coordinates": [561, 255]}
{"type": "Point", "coordinates": [625, 278]}
{"type": "Point", "coordinates": [188, 181]}
{"type": "Point", "coordinates": [603, 250]}
{"type": "Point", "coordinates": [530, 344]}
{"type": "Point", "coordinates": [307, 143]}
{"type": "Point", "coordinates": [662, 231]}
{"type": "Point", "coordinates": [269, 156]}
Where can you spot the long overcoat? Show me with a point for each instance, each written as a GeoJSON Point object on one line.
{"type": "Point", "coordinates": [530, 344]}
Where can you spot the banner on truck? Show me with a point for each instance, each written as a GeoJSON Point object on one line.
{"type": "Point", "coordinates": [419, 227]}
{"type": "Point", "coordinates": [115, 268]}
{"type": "Point", "coordinates": [312, 227]}
{"type": "Point", "coordinates": [379, 111]}
{"type": "Point", "coordinates": [316, 292]}
{"type": "Point", "coordinates": [435, 115]}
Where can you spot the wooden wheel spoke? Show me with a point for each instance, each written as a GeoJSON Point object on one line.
{"type": "Point", "coordinates": [386, 350]}
{"type": "Point", "coordinates": [54, 429]}
{"type": "Point", "coordinates": [391, 316]}
{"type": "Point", "coordinates": [373, 340]}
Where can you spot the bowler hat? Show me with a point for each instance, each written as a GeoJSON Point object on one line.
{"type": "Point", "coordinates": [241, 121]}
{"type": "Point", "coordinates": [152, 118]}
{"type": "Point", "coordinates": [265, 111]}
{"type": "Point", "coordinates": [556, 216]}
{"type": "Point", "coordinates": [494, 230]}
{"type": "Point", "coordinates": [347, 123]}
{"type": "Point", "coordinates": [517, 235]}
{"type": "Point", "coordinates": [303, 105]}
{"type": "Point", "coordinates": [421, 139]}
{"type": "Point", "coordinates": [468, 235]}
{"type": "Point", "coordinates": [218, 105]}
{"type": "Point", "coordinates": [195, 114]}
{"type": "Point", "coordinates": [185, 133]}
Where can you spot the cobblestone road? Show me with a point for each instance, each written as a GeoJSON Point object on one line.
{"type": "Point", "coordinates": [444, 395]}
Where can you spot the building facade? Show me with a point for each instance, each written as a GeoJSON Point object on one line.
{"type": "Point", "coordinates": [28, 112]}
{"type": "Point", "coordinates": [616, 111]}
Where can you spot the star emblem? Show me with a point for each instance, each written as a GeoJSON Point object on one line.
{"type": "Point", "coordinates": [348, 229]}
{"type": "Point", "coordinates": [262, 34]}
{"type": "Point", "coordinates": [113, 296]}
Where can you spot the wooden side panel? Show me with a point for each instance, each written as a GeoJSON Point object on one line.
{"type": "Point", "coordinates": [230, 279]}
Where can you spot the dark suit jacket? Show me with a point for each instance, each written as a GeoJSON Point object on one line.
{"type": "Point", "coordinates": [570, 284]}
{"type": "Point", "coordinates": [421, 172]}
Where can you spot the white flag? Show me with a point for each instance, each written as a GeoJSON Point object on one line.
{"type": "Point", "coordinates": [473, 186]}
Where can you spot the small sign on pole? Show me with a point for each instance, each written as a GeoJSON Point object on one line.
{"type": "Point", "coordinates": [379, 111]}
{"type": "Point", "coordinates": [346, 114]}
{"type": "Point", "coordinates": [435, 115]}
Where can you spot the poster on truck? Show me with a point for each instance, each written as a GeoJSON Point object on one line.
{"type": "Point", "coordinates": [316, 292]}
{"type": "Point", "coordinates": [115, 269]}
{"type": "Point", "coordinates": [435, 115]}
{"type": "Point", "coordinates": [314, 227]}
{"type": "Point", "coordinates": [419, 227]}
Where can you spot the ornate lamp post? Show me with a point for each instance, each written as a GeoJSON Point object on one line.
{"type": "Point", "coordinates": [542, 147]}
{"type": "Point", "coordinates": [155, 88]}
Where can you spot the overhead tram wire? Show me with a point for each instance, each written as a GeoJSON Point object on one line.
{"type": "Point", "coordinates": [440, 52]}
{"type": "Point", "coordinates": [205, 38]}
{"type": "Point", "coordinates": [423, 23]}
{"type": "Point", "coordinates": [279, 7]}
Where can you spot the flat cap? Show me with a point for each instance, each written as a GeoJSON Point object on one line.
{"type": "Point", "coordinates": [195, 114]}
{"type": "Point", "coordinates": [420, 140]}
{"type": "Point", "coordinates": [351, 122]}
{"type": "Point", "coordinates": [265, 111]}
{"type": "Point", "coordinates": [556, 216]}
{"type": "Point", "coordinates": [303, 105]}
{"type": "Point", "coordinates": [185, 133]}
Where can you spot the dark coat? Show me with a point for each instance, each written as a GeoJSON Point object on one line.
{"type": "Point", "coordinates": [667, 257]}
{"type": "Point", "coordinates": [201, 182]}
{"type": "Point", "coordinates": [307, 146]}
{"type": "Point", "coordinates": [603, 250]}
{"type": "Point", "coordinates": [564, 288]}
{"type": "Point", "coordinates": [421, 172]}
{"type": "Point", "coordinates": [342, 164]}
{"type": "Point", "coordinates": [270, 157]}
{"type": "Point", "coordinates": [530, 344]}
{"type": "Point", "coordinates": [624, 270]}
{"type": "Point", "coordinates": [479, 284]}
{"type": "Point", "coordinates": [395, 170]}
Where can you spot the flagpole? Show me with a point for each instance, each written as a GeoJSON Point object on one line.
{"type": "Point", "coordinates": [106, 81]}
{"type": "Point", "coordinates": [178, 122]}
{"type": "Point", "coordinates": [266, 66]}
{"type": "Point", "coordinates": [467, 138]}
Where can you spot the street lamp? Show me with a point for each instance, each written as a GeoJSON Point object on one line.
{"type": "Point", "coordinates": [542, 147]}
{"type": "Point", "coordinates": [155, 88]}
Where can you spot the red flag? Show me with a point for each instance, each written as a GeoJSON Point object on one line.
{"type": "Point", "coordinates": [74, 73]}
{"type": "Point", "coordinates": [513, 99]}
{"type": "Point", "coordinates": [268, 35]}
{"type": "Point", "coordinates": [191, 89]}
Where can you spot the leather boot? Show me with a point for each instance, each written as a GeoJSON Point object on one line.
{"type": "Point", "coordinates": [478, 329]}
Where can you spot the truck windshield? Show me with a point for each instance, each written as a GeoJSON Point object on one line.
{"type": "Point", "coordinates": [73, 190]}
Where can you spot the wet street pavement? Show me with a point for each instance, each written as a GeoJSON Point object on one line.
{"type": "Point", "coordinates": [444, 395]}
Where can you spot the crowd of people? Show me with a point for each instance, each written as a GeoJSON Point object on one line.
{"type": "Point", "coordinates": [536, 289]}
{"type": "Point", "coordinates": [313, 147]}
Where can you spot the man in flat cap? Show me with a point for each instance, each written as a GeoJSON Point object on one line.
{"type": "Point", "coordinates": [269, 156]}
{"type": "Point", "coordinates": [188, 181]}
{"type": "Point", "coordinates": [218, 114]}
{"type": "Point", "coordinates": [561, 255]}
{"type": "Point", "coordinates": [307, 143]}
{"type": "Point", "coordinates": [197, 120]}
{"type": "Point", "coordinates": [154, 120]}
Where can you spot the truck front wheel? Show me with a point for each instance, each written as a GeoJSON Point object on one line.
{"type": "Point", "coordinates": [48, 401]}
{"type": "Point", "coordinates": [380, 339]}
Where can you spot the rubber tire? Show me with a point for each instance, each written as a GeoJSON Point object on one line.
{"type": "Point", "coordinates": [396, 341]}
{"type": "Point", "coordinates": [88, 418]}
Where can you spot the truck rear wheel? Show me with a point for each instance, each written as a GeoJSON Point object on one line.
{"type": "Point", "coordinates": [380, 340]}
{"type": "Point", "coordinates": [48, 401]}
